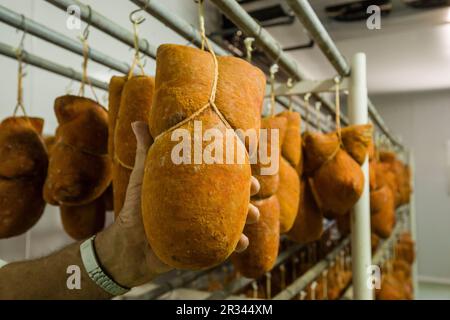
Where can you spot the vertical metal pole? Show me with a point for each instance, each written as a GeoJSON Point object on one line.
{"type": "Point", "coordinates": [360, 216]}
{"type": "Point", "coordinates": [412, 223]}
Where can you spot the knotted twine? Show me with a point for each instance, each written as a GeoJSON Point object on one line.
{"type": "Point", "coordinates": [136, 62]}
{"type": "Point", "coordinates": [212, 97]}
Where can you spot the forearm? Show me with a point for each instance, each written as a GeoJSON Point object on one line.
{"type": "Point", "coordinates": [47, 278]}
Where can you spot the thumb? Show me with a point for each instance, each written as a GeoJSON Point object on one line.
{"type": "Point", "coordinates": [143, 143]}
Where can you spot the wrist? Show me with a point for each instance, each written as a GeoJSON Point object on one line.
{"type": "Point", "coordinates": [109, 253]}
{"type": "Point", "coordinates": [125, 260]}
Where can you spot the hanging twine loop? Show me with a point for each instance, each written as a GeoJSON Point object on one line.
{"type": "Point", "coordinates": [289, 85]}
{"type": "Point", "coordinates": [308, 107]}
{"type": "Point", "coordinates": [201, 20]}
{"type": "Point", "coordinates": [325, 284]}
{"type": "Point", "coordinates": [248, 47]}
{"type": "Point", "coordinates": [205, 41]}
{"type": "Point", "coordinates": [136, 21]}
{"type": "Point", "coordinates": [273, 70]}
{"type": "Point", "coordinates": [212, 97]}
{"type": "Point", "coordinates": [337, 82]}
{"type": "Point", "coordinates": [84, 78]}
{"type": "Point", "coordinates": [20, 76]}
{"type": "Point", "coordinates": [313, 287]}
{"type": "Point", "coordinates": [68, 88]}
{"type": "Point", "coordinates": [318, 106]}
{"type": "Point", "coordinates": [20, 54]}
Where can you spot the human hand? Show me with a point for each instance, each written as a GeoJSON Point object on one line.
{"type": "Point", "coordinates": [122, 248]}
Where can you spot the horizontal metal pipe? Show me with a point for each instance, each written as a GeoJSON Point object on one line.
{"type": "Point", "coordinates": [106, 25]}
{"type": "Point", "coordinates": [176, 23]}
{"type": "Point", "coordinates": [250, 27]}
{"type": "Point", "coordinates": [381, 252]}
{"type": "Point", "coordinates": [36, 29]}
{"type": "Point", "coordinates": [270, 46]}
{"type": "Point", "coordinates": [305, 13]}
{"type": "Point", "coordinates": [384, 247]}
{"type": "Point", "coordinates": [173, 283]}
{"type": "Point", "coordinates": [48, 65]}
{"type": "Point", "coordinates": [378, 120]}
{"type": "Point", "coordinates": [242, 282]}
{"type": "Point", "coordinates": [299, 284]}
{"type": "Point", "coordinates": [190, 33]}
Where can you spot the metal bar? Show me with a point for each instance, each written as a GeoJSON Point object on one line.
{"type": "Point", "coordinates": [48, 65]}
{"type": "Point", "coordinates": [36, 29]}
{"type": "Point", "coordinates": [240, 283]}
{"type": "Point", "coordinates": [189, 32]}
{"type": "Point", "coordinates": [360, 215]}
{"type": "Point", "coordinates": [106, 25]}
{"type": "Point", "coordinates": [176, 23]}
{"type": "Point", "coordinates": [308, 86]}
{"type": "Point", "coordinates": [173, 283]}
{"type": "Point", "coordinates": [316, 30]}
{"type": "Point", "coordinates": [231, 288]}
{"type": "Point", "coordinates": [305, 13]}
{"type": "Point", "coordinates": [250, 27]}
{"type": "Point", "coordinates": [379, 255]}
{"type": "Point", "coordinates": [273, 49]}
{"type": "Point", "coordinates": [309, 276]}
{"type": "Point", "coordinates": [380, 123]}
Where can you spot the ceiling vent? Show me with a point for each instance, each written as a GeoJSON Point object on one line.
{"type": "Point", "coordinates": [354, 11]}
{"type": "Point", "coordinates": [424, 4]}
{"type": "Point", "coordinates": [267, 15]}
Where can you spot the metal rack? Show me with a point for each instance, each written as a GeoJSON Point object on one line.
{"type": "Point", "coordinates": [353, 79]}
{"type": "Point", "coordinates": [404, 220]}
{"type": "Point", "coordinates": [48, 65]}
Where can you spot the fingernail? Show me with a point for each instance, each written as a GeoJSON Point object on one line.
{"type": "Point", "coordinates": [134, 127]}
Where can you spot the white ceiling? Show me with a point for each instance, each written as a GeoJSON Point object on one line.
{"type": "Point", "coordinates": [411, 51]}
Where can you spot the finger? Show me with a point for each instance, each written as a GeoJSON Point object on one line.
{"type": "Point", "coordinates": [143, 143]}
{"type": "Point", "coordinates": [242, 244]}
{"type": "Point", "coordinates": [255, 186]}
{"type": "Point", "coordinates": [253, 214]}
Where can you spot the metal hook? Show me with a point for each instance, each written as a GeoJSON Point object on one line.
{"type": "Point", "coordinates": [24, 28]}
{"type": "Point", "coordinates": [137, 20]}
{"type": "Point", "coordinates": [143, 58]}
{"type": "Point", "coordinates": [280, 51]}
{"type": "Point", "coordinates": [337, 79]}
{"type": "Point", "coordinates": [72, 80]}
{"type": "Point", "coordinates": [22, 39]}
{"type": "Point", "coordinates": [89, 20]}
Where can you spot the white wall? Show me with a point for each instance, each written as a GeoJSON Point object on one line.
{"type": "Point", "coordinates": [42, 87]}
{"type": "Point", "coordinates": [423, 121]}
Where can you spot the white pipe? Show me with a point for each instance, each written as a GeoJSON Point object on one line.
{"type": "Point", "coordinates": [31, 59]}
{"type": "Point", "coordinates": [360, 216]}
{"type": "Point", "coordinates": [305, 13]}
{"type": "Point", "coordinates": [41, 31]}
